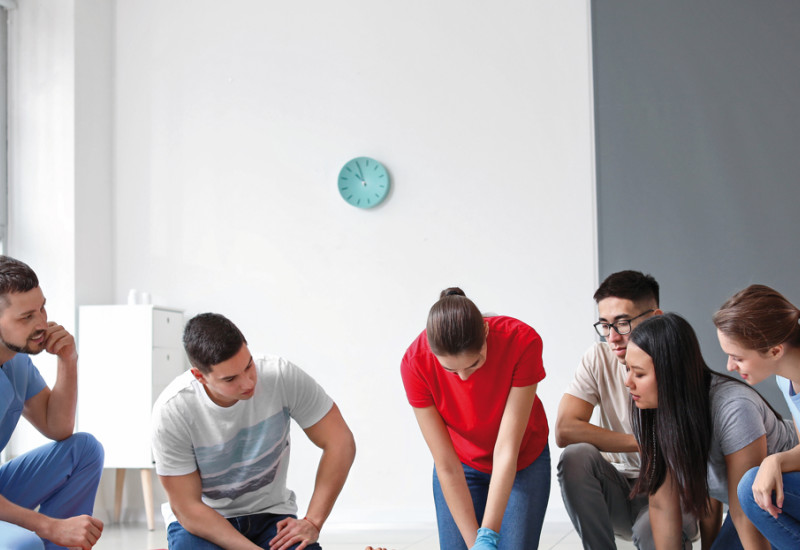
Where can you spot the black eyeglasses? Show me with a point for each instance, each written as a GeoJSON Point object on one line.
{"type": "Point", "coordinates": [623, 326]}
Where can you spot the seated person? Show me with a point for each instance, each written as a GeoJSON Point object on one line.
{"type": "Point", "coordinates": [699, 431]}
{"type": "Point", "coordinates": [600, 463]}
{"type": "Point", "coordinates": [221, 445]}
{"type": "Point", "coordinates": [758, 329]}
{"type": "Point", "coordinates": [59, 478]}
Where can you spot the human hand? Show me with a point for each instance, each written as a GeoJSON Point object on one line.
{"type": "Point", "coordinates": [59, 342]}
{"type": "Point", "coordinates": [768, 480]}
{"type": "Point", "coordinates": [294, 531]}
{"type": "Point", "coordinates": [75, 532]}
{"type": "Point", "coordinates": [487, 540]}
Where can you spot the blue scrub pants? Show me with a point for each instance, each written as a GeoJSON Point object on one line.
{"type": "Point", "coordinates": [60, 477]}
{"type": "Point", "coordinates": [524, 515]}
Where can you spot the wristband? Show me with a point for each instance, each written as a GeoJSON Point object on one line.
{"type": "Point", "coordinates": [314, 525]}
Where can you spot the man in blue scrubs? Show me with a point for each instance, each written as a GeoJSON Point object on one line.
{"type": "Point", "coordinates": [61, 477]}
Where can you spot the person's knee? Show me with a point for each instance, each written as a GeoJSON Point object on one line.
{"type": "Point", "coordinates": [642, 532]}
{"type": "Point", "coordinates": [577, 459]}
{"type": "Point", "coordinates": [577, 470]}
{"type": "Point", "coordinates": [91, 450]}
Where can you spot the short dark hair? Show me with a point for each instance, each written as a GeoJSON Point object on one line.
{"type": "Point", "coordinates": [629, 285]}
{"type": "Point", "coordinates": [15, 276]}
{"type": "Point", "coordinates": [210, 339]}
{"type": "Point", "coordinates": [455, 324]}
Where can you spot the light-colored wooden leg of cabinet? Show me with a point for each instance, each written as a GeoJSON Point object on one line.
{"type": "Point", "coordinates": [120, 483]}
{"type": "Point", "coordinates": [147, 491]}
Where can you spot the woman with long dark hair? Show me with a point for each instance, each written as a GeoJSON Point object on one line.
{"type": "Point", "coordinates": [698, 431]}
{"type": "Point", "coordinates": [758, 329]}
{"type": "Point", "coordinates": [472, 383]}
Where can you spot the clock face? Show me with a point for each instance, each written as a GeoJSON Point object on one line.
{"type": "Point", "coordinates": [363, 182]}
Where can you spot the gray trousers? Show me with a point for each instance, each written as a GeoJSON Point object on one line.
{"type": "Point", "coordinates": [596, 497]}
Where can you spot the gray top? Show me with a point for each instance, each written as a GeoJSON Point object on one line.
{"type": "Point", "coordinates": [739, 416]}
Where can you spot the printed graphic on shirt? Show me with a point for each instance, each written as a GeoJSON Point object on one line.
{"type": "Point", "coordinates": [247, 462]}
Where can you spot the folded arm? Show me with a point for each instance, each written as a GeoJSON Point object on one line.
{"type": "Point", "coordinates": [573, 426]}
{"type": "Point", "coordinates": [52, 412]}
{"type": "Point", "coordinates": [76, 532]}
{"type": "Point", "coordinates": [769, 480]}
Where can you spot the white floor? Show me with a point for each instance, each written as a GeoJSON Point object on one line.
{"type": "Point", "coordinates": [555, 536]}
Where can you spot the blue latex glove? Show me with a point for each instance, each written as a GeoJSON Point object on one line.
{"type": "Point", "coordinates": [487, 540]}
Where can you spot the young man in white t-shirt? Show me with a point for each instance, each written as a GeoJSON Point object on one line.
{"type": "Point", "coordinates": [221, 446]}
{"type": "Point", "coordinates": [599, 463]}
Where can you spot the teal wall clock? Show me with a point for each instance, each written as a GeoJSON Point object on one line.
{"type": "Point", "coordinates": [363, 182]}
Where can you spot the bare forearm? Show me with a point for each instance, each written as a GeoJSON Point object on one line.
{"type": "Point", "coordinates": [789, 460]}
{"type": "Point", "coordinates": [63, 400]}
{"type": "Point", "coordinates": [665, 517]}
{"type": "Point", "coordinates": [459, 501]}
{"type": "Point", "coordinates": [750, 536]}
{"type": "Point", "coordinates": [576, 431]}
{"type": "Point", "coordinates": [710, 524]}
{"type": "Point", "coordinates": [334, 465]}
{"type": "Point", "coordinates": [23, 517]}
{"type": "Point", "coordinates": [504, 472]}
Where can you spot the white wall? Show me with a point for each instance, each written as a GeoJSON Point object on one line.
{"type": "Point", "coordinates": [230, 123]}
{"type": "Point", "coordinates": [42, 162]}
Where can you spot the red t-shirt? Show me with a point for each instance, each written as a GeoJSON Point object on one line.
{"type": "Point", "coordinates": [472, 408]}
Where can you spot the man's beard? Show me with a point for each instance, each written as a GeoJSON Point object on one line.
{"type": "Point", "coordinates": [22, 349]}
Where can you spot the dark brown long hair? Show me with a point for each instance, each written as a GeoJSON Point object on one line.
{"type": "Point", "coordinates": [676, 436]}
{"type": "Point", "coordinates": [455, 324]}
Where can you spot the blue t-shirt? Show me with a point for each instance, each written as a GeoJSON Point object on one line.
{"type": "Point", "coordinates": [792, 399]}
{"type": "Point", "coordinates": [19, 381]}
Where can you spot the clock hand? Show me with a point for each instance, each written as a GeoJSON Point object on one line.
{"type": "Point", "coordinates": [360, 174]}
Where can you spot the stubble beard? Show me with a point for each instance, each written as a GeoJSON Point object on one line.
{"type": "Point", "coordinates": [24, 348]}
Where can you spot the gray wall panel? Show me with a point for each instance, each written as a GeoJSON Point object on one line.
{"type": "Point", "coordinates": [697, 108]}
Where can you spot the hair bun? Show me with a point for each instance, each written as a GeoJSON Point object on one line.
{"type": "Point", "coordinates": [452, 291]}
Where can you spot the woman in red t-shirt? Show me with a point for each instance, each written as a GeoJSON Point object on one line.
{"type": "Point", "coordinates": [472, 383]}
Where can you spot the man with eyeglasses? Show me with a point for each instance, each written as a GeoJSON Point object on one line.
{"type": "Point", "coordinates": [600, 462]}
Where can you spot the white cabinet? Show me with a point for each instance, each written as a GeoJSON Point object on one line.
{"type": "Point", "coordinates": [127, 355]}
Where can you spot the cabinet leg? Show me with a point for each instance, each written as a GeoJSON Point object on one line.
{"type": "Point", "coordinates": [147, 491]}
{"type": "Point", "coordinates": [120, 483]}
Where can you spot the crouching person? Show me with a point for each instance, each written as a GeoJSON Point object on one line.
{"type": "Point", "coordinates": [221, 446]}
{"type": "Point", "coordinates": [47, 494]}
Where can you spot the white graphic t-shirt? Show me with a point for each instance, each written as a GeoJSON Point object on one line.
{"type": "Point", "coordinates": [241, 451]}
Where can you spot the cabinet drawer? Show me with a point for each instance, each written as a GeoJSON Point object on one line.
{"type": "Point", "coordinates": [168, 363]}
{"type": "Point", "coordinates": [167, 328]}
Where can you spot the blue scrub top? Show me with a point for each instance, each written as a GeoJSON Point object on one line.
{"type": "Point", "coordinates": [19, 381]}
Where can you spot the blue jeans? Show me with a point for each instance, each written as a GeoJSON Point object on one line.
{"type": "Point", "coordinates": [60, 477]}
{"type": "Point", "coordinates": [258, 528]}
{"type": "Point", "coordinates": [524, 515]}
{"type": "Point", "coordinates": [783, 533]}
{"type": "Point", "coordinates": [728, 537]}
